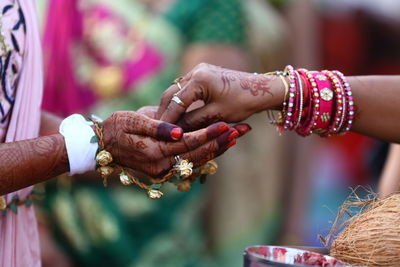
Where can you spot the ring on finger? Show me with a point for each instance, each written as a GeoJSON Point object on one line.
{"type": "Point", "coordinates": [183, 166]}
{"type": "Point", "coordinates": [177, 100]}
{"type": "Point", "coordinates": [177, 82]}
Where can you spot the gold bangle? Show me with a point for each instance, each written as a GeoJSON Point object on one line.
{"type": "Point", "coordinates": [282, 113]}
{"type": "Point", "coordinates": [270, 114]}
{"type": "Point", "coordinates": [285, 83]}
{"type": "Point", "coordinates": [103, 157]}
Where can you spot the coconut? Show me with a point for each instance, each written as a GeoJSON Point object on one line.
{"type": "Point", "coordinates": [371, 237]}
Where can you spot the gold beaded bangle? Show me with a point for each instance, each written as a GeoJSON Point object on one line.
{"type": "Point", "coordinates": [103, 157]}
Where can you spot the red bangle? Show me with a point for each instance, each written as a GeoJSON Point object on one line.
{"type": "Point", "coordinates": [325, 102]}
{"type": "Point", "coordinates": [318, 102]}
{"type": "Point", "coordinates": [313, 108]}
{"type": "Point", "coordinates": [340, 104]}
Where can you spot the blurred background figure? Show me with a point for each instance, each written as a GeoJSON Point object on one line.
{"type": "Point", "coordinates": [106, 55]}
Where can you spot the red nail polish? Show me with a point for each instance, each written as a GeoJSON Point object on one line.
{"type": "Point", "coordinates": [246, 128]}
{"type": "Point", "coordinates": [233, 135]}
{"type": "Point", "coordinates": [231, 144]}
{"type": "Point", "coordinates": [223, 128]}
{"type": "Point", "coordinates": [176, 133]}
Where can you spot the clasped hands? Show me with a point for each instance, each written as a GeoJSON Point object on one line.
{"type": "Point", "coordinates": [149, 139]}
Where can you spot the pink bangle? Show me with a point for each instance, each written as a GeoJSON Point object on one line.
{"type": "Point", "coordinates": [350, 103]}
{"type": "Point", "coordinates": [307, 100]}
{"type": "Point", "coordinates": [318, 102]}
{"type": "Point", "coordinates": [340, 103]}
{"type": "Point", "coordinates": [326, 102]}
{"type": "Point", "coordinates": [314, 107]}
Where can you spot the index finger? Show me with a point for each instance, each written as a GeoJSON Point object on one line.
{"type": "Point", "coordinates": [190, 93]}
{"type": "Point", "coordinates": [165, 99]}
{"type": "Point", "coordinates": [132, 122]}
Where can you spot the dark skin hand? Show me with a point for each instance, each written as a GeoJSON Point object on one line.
{"type": "Point", "coordinates": [230, 96]}
{"type": "Point", "coordinates": [233, 96]}
{"type": "Point", "coordinates": [136, 144]}
{"type": "Point", "coordinates": [135, 141]}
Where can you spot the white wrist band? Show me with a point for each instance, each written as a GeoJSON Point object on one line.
{"type": "Point", "coordinates": [81, 152]}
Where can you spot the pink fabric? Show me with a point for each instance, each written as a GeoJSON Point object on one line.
{"type": "Point", "coordinates": [70, 32]}
{"type": "Point", "coordinates": [63, 29]}
{"type": "Point", "coordinates": [11, 18]}
{"type": "Point", "coordinates": [19, 242]}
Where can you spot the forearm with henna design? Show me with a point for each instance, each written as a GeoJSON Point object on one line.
{"type": "Point", "coordinates": [28, 162]}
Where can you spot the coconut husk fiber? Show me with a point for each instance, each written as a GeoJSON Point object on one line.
{"type": "Point", "coordinates": [371, 236]}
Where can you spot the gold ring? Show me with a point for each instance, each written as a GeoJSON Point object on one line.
{"type": "Point", "coordinates": [177, 100]}
{"type": "Point", "coordinates": [183, 166]}
{"type": "Point", "coordinates": [177, 82]}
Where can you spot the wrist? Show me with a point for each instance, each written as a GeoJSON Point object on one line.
{"type": "Point", "coordinates": [81, 150]}
{"type": "Point", "coordinates": [273, 100]}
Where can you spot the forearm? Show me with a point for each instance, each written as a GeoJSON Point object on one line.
{"type": "Point", "coordinates": [377, 103]}
{"type": "Point", "coordinates": [28, 162]}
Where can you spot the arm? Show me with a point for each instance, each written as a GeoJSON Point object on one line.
{"type": "Point", "coordinates": [378, 106]}
{"type": "Point", "coordinates": [233, 96]}
{"type": "Point", "coordinates": [390, 180]}
{"type": "Point", "coordinates": [28, 162]}
{"type": "Point", "coordinates": [134, 140]}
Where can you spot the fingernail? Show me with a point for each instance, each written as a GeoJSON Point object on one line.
{"type": "Point", "coordinates": [232, 143]}
{"type": "Point", "coordinates": [233, 135]}
{"type": "Point", "coordinates": [176, 133]}
{"type": "Point", "coordinates": [223, 128]}
{"type": "Point", "coordinates": [243, 128]}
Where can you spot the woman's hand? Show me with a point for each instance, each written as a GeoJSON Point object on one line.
{"type": "Point", "coordinates": [150, 146]}
{"type": "Point", "coordinates": [229, 96]}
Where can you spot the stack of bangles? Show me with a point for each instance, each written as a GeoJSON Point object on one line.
{"type": "Point", "coordinates": [319, 102]}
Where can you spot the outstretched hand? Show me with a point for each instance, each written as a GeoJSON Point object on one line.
{"type": "Point", "coordinates": [229, 96]}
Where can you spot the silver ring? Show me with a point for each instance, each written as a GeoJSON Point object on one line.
{"type": "Point", "coordinates": [177, 100]}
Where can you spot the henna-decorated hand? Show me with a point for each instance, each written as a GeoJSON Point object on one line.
{"type": "Point", "coordinates": [229, 96]}
{"type": "Point", "coordinates": [149, 146]}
